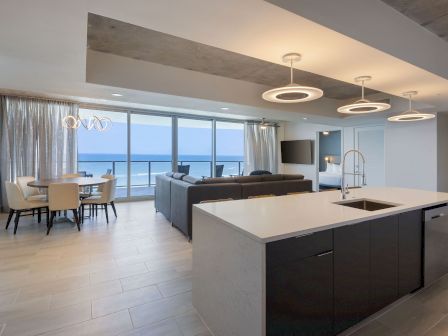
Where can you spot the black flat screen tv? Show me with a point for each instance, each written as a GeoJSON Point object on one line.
{"type": "Point", "coordinates": [298, 151]}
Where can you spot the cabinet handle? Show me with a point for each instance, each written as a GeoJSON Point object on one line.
{"type": "Point", "coordinates": [325, 253]}
{"type": "Point", "coordinates": [304, 235]}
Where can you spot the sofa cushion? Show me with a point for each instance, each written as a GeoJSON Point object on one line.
{"type": "Point", "coordinates": [169, 174]}
{"type": "Point", "coordinates": [269, 178]}
{"type": "Point", "coordinates": [293, 176]}
{"type": "Point", "coordinates": [214, 180]}
{"type": "Point", "coordinates": [248, 179]}
{"type": "Point", "coordinates": [178, 176]}
{"type": "Point", "coordinates": [192, 180]}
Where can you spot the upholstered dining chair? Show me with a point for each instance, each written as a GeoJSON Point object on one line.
{"type": "Point", "coordinates": [184, 169]}
{"type": "Point", "coordinates": [19, 205]}
{"type": "Point", "coordinates": [30, 194]}
{"type": "Point", "coordinates": [107, 197]}
{"type": "Point", "coordinates": [63, 196]}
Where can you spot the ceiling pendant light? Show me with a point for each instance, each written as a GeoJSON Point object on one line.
{"type": "Point", "coordinates": [292, 93]}
{"type": "Point", "coordinates": [410, 114]}
{"type": "Point", "coordinates": [363, 105]}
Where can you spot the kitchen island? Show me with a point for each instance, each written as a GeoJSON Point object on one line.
{"type": "Point", "coordinates": [304, 264]}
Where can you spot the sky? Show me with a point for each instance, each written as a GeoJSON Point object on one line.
{"type": "Point", "coordinates": [156, 139]}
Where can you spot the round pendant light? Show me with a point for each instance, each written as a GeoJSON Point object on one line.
{"type": "Point", "coordinates": [363, 105]}
{"type": "Point", "coordinates": [292, 93]}
{"type": "Point", "coordinates": [410, 114]}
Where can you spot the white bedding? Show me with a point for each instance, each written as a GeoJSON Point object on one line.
{"type": "Point", "coordinates": [330, 179]}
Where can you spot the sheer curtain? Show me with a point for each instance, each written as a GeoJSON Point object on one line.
{"type": "Point", "coordinates": [33, 141]}
{"type": "Point", "coordinates": [261, 148]}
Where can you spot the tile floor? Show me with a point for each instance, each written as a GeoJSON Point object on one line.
{"type": "Point", "coordinates": [133, 277]}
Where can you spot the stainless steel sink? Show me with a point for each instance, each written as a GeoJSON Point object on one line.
{"type": "Point", "coordinates": [367, 204]}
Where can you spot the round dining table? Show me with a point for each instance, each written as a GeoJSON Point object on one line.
{"type": "Point", "coordinates": [81, 181]}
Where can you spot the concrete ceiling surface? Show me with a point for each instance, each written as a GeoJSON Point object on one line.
{"type": "Point", "coordinates": [431, 14]}
{"type": "Point", "coordinates": [124, 39]}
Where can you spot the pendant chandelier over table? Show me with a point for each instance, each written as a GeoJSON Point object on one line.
{"type": "Point", "coordinates": [98, 123]}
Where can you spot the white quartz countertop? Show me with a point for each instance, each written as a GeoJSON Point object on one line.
{"type": "Point", "coordinates": [274, 218]}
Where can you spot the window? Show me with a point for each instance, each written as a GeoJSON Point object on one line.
{"type": "Point", "coordinates": [151, 151]}
{"type": "Point", "coordinates": [136, 158]}
{"type": "Point", "coordinates": [99, 152]}
{"type": "Point", "coordinates": [195, 146]}
{"type": "Point", "coordinates": [229, 147]}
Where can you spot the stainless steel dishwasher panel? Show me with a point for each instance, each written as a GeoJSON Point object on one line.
{"type": "Point", "coordinates": [436, 244]}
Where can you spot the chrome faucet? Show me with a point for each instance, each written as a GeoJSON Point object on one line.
{"type": "Point", "coordinates": [344, 187]}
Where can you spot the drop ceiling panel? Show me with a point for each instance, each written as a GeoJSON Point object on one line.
{"type": "Point", "coordinates": [123, 39]}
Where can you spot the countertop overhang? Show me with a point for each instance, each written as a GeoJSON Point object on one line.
{"type": "Point", "coordinates": [275, 218]}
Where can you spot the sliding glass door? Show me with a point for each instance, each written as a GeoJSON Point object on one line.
{"type": "Point", "coordinates": [151, 151]}
{"type": "Point", "coordinates": [195, 147]}
{"type": "Point", "coordinates": [101, 153]}
{"type": "Point", "coordinates": [139, 146]}
{"type": "Point", "coordinates": [229, 148]}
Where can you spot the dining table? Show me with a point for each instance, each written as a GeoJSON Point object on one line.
{"type": "Point", "coordinates": [83, 182]}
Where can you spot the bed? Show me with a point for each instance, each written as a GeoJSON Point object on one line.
{"type": "Point", "coordinates": [331, 177]}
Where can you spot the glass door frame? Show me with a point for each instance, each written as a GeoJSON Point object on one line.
{"type": "Point", "coordinates": [174, 136]}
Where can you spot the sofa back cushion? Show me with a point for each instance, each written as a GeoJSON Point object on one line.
{"type": "Point", "coordinates": [248, 179]}
{"type": "Point", "coordinates": [293, 176]}
{"type": "Point", "coordinates": [216, 180]}
{"type": "Point", "coordinates": [178, 176]}
{"type": "Point", "coordinates": [270, 178]}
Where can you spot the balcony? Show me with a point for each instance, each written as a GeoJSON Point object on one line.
{"type": "Point", "coordinates": [143, 173]}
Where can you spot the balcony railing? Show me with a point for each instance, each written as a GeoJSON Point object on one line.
{"type": "Point", "coordinates": [143, 172]}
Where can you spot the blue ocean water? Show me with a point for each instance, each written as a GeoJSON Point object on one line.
{"type": "Point", "coordinates": [145, 167]}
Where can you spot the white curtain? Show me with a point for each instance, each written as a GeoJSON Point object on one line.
{"type": "Point", "coordinates": [33, 141]}
{"type": "Point", "coordinates": [261, 148]}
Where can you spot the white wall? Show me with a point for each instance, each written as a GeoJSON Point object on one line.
{"type": "Point", "coordinates": [411, 154]}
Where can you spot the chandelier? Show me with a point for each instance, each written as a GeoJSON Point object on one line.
{"type": "Point", "coordinates": [363, 105]}
{"type": "Point", "coordinates": [100, 124]}
{"type": "Point", "coordinates": [410, 114]}
{"type": "Point", "coordinates": [292, 93]}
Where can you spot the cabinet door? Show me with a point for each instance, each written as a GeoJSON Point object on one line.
{"type": "Point", "coordinates": [383, 262]}
{"type": "Point", "coordinates": [410, 235]}
{"type": "Point", "coordinates": [299, 297]}
{"type": "Point", "coordinates": [351, 275]}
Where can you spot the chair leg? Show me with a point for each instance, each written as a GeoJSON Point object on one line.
{"type": "Point", "coordinates": [33, 212]}
{"type": "Point", "coordinates": [107, 215]}
{"type": "Point", "coordinates": [53, 213]}
{"type": "Point", "coordinates": [95, 207]}
{"type": "Point", "coordinates": [16, 221]}
{"type": "Point", "coordinates": [48, 216]}
{"type": "Point", "coordinates": [113, 208]}
{"type": "Point", "coordinates": [81, 211]}
{"type": "Point", "coordinates": [11, 213]}
{"type": "Point", "coordinates": [75, 214]}
{"type": "Point", "coordinates": [39, 215]}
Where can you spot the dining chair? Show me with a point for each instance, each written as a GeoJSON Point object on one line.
{"type": "Point", "coordinates": [63, 196]}
{"type": "Point", "coordinates": [184, 169]}
{"type": "Point", "coordinates": [107, 197]}
{"type": "Point", "coordinates": [30, 193]}
{"type": "Point", "coordinates": [19, 205]}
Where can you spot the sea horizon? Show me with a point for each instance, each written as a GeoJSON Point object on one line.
{"type": "Point", "coordinates": [141, 173]}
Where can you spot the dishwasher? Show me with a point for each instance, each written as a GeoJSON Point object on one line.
{"type": "Point", "coordinates": [436, 243]}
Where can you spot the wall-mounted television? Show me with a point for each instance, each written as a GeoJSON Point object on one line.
{"type": "Point", "coordinates": [298, 151]}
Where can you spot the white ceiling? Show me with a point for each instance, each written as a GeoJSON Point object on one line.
{"type": "Point", "coordinates": [43, 51]}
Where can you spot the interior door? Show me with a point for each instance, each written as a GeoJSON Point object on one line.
{"type": "Point", "coordinates": [370, 141]}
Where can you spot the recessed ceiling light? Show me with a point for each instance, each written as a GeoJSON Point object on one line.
{"type": "Point", "coordinates": [292, 93]}
{"type": "Point", "coordinates": [363, 105]}
{"type": "Point", "coordinates": [117, 94]}
{"type": "Point", "coordinates": [411, 114]}
{"type": "Point", "coordinates": [325, 132]}
{"type": "Point", "coordinates": [224, 108]}
{"type": "Point", "coordinates": [305, 118]}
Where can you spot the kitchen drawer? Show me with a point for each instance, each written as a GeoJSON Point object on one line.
{"type": "Point", "coordinates": [296, 248]}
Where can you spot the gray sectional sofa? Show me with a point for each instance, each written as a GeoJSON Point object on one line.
{"type": "Point", "coordinates": [176, 193]}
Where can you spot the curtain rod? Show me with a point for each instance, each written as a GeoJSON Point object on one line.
{"type": "Point", "coordinates": [38, 97]}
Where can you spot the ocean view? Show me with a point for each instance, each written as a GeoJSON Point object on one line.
{"type": "Point", "coordinates": [142, 172]}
